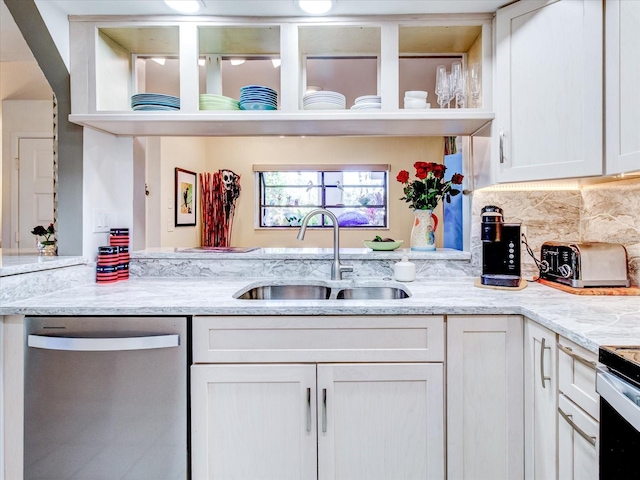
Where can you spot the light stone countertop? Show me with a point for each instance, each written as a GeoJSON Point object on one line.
{"type": "Point", "coordinates": [19, 264]}
{"type": "Point", "coordinates": [589, 321]}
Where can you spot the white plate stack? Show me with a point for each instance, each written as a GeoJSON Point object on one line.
{"type": "Point", "coordinates": [323, 100]}
{"type": "Point", "coordinates": [416, 99]}
{"type": "Point", "coordinates": [368, 102]}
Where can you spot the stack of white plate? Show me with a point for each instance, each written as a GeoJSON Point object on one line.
{"type": "Point", "coordinates": [368, 102]}
{"type": "Point", "coordinates": [154, 102]}
{"type": "Point", "coordinates": [324, 100]}
{"type": "Point", "coordinates": [209, 101]}
{"type": "Point", "coordinates": [416, 99]}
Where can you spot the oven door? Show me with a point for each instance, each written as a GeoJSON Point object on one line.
{"type": "Point", "coordinates": [619, 426]}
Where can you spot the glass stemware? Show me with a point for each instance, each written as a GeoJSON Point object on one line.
{"type": "Point", "coordinates": [442, 86]}
{"type": "Point", "coordinates": [475, 84]}
{"type": "Point", "coordinates": [462, 90]}
{"type": "Point", "coordinates": [456, 73]}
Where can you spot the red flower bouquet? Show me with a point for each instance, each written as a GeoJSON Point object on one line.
{"type": "Point", "coordinates": [426, 192]}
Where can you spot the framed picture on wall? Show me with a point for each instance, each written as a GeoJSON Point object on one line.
{"type": "Point", "coordinates": [186, 199]}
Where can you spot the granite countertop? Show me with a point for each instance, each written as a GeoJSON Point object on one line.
{"type": "Point", "coordinates": [589, 321]}
{"type": "Point", "coordinates": [19, 264]}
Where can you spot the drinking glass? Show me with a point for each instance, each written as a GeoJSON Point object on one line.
{"type": "Point", "coordinates": [442, 85]}
{"type": "Point", "coordinates": [462, 90]}
{"type": "Point", "coordinates": [475, 83]}
{"type": "Point", "coordinates": [456, 72]}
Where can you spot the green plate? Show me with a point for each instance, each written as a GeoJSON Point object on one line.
{"type": "Point", "coordinates": [382, 245]}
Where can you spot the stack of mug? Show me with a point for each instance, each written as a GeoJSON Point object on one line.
{"type": "Point", "coordinates": [119, 237]}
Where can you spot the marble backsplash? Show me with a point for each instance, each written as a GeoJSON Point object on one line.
{"type": "Point", "coordinates": [608, 212]}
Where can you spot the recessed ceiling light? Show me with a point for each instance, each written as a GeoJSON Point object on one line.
{"type": "Point", "coordinates": [315, 7]}
{"type": "Point", "coordinates": [237, 61]}
{"type": "Point", "coordinates": [185, 6]}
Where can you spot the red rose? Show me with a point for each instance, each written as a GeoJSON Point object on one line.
{"type": "Point", "coordinates": [457, 179]}
{"type": "Point", "coordinates": [403, 176]}
{"type": "Point", "coordinates": [438, 170]}
{"type": "Point", "coordinates": [421, 173]}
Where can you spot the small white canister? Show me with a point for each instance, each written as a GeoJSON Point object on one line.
{"type": "Point", "coordinates": [404, 270]}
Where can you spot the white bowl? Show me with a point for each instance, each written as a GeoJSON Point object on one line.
{"type": "Point", "coordinates": [414, 103]}
{"type": "Point", "coordinates": [416, 94]}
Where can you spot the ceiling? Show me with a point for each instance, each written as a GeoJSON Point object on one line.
{"type": "Point", "coordinates": [278, 8]}
{"type": "Point", "coordinates": [13, 48]}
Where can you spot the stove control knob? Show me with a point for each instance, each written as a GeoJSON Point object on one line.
{"type": "Point", "coordinates": [565, 270]}
{"type": "Point", "coordinates": [544, 266]}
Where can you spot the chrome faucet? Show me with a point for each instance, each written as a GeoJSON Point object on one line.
{"type": "Point", "coordinates": [336, 268]}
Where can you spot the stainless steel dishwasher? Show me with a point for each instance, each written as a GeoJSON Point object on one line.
{"type": "Point", "coordinates": [106, 398]}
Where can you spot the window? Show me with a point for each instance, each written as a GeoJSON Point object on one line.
{"type": "Point", "coordinates": [356, 194]}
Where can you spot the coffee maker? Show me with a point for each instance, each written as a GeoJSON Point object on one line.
{"type": "Point", "coordinates": [500, 249]}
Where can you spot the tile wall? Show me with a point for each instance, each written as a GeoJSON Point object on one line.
{"type": "Point", "coordinates": [607, 212]}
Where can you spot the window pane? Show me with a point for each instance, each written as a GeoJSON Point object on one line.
{"type": "Point", "coordinates": [358, 199]}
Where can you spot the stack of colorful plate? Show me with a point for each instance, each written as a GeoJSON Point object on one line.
{"type": "Point", "coordinates": [257, 97]}
{"type": "Point", "coordinates": [155, 101]}
{"type": "Point", "coordinates": [323, 100]}
{"type": "Point", "coordinates": [209, 101]}
{"type": "Point", "coordinates": [368, 102]}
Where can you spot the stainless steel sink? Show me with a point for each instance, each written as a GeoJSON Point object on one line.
{"type": "Point", "coordinates": [328, 291]}
{"type": "Point", "coordinates": [372, 293]}
{"type": "Point", "coordinates": [287, 292]}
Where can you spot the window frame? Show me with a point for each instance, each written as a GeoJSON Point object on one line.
{"type": "Point", "coordinates": [322, 170]}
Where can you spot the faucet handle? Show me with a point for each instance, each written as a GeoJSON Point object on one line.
{"type": "Point", "coordinates": [346, 268]}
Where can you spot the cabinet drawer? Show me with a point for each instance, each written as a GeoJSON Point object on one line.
{"type": "Point", "coordinates": [577, 376]}
{"type": "Point", "coordinates": [577, 442]}
{"type": "Point", "coordinates": [317, 339]}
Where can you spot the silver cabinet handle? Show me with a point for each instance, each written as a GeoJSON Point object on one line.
{"type": "Point", "coordinates": [103, 344]}
{"type": "Point", "coordinates": [543, 377]}
{"type": "Point", "coordinates": [324, 410]}
{"type": "Point", "coordinates": [583, 434]}
{"type": "Point", "coordinates": [501, 146]}
{"type": "Point", "coordinates": [308, 410]}
{"type": "Point", "coordinates": [577, 357]}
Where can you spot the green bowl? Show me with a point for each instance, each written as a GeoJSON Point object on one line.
{"type": "Point", "coordinates": [382, 245]}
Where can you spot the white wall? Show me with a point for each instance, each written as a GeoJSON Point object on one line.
{"type": "Point", "coordinates": [107, 184]}
{"type": "Point", "coordinates": [188, 154]}
{"type": "Point", "coordinates": [19, 117]}
{"type": "Point", "coordinates": [58, 25]}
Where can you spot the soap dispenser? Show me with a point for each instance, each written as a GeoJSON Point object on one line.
{"type": "Point", "coordinates": [404, 270]}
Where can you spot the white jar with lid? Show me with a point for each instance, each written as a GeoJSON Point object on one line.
{"type": "Point", "coordinates": [404, 270]}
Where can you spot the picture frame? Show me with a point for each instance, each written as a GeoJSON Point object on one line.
{"type": "Point", "coordinates": [186, 199]}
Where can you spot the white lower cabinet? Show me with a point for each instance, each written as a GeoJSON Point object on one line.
{"type": "Point", "coordinates": [484, 397]}
{"type": "Point", "coordinates": [577, 442]}
{"type": "Point", "coordinates": [373, 421]}
{"type": "Point", "coordinates": [540, 402]}
{"type": "Point", "coordinates": [269, 399]}
{"type": "Point", "coordinates": [380, 421]}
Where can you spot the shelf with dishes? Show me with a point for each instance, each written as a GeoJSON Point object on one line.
{"type": "Point", "coordinates": [352, 77]}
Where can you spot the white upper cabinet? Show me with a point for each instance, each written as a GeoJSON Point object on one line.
{"type": "Point", "coordinates": [549, 89]}
{"type": "Point", "coordinates": [115, 58]}
{"type": "Point", "coordinates": [623, 86]}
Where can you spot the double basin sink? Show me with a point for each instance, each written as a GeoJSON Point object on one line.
{"type": "Point", "coordinates": [322, 291]}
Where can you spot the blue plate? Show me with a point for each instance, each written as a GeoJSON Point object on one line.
{"type": "Point", "coordinates": [256, 106]}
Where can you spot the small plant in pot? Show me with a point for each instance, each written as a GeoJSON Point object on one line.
{"type": "Point", "coordinates": [48, 245]}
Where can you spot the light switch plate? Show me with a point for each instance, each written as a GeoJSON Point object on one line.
{"type": "Point", "coordinates": [100, 220]}
{"type": "Point", "coordinates": [170, 226]}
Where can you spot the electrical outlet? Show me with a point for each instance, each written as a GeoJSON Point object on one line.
{"type": "Point", "coordinates": [100, 220]}
{"type": "Point", "coordinates": [523, 230]}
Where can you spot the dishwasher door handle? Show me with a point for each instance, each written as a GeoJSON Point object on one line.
{"type": "Point", "coordinates": [115, 344]}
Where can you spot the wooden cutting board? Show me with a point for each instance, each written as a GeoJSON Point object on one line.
{"type": "Point", "coordinates": [621, 291]}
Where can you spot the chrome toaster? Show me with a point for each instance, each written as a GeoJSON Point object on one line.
{"type": "Point", "coordinates": [584, 264]}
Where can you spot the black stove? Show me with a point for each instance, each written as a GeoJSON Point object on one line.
{"type": "Point", "coordinates": [618, 383]}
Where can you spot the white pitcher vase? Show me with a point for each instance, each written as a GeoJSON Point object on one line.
{"type": "Point", "coordinates": [423, 233]}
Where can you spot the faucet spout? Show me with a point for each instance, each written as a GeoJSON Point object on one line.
{"type": "Point", "coordinates": [336, 268]}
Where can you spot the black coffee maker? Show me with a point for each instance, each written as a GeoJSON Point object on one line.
{"type": "Point", "coordinates": [500, 249]}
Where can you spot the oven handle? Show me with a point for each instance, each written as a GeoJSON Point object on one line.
{"type": "Point", "coordinates": [621, 395]}
{"type": "Point", "coordinates": [88, 344]}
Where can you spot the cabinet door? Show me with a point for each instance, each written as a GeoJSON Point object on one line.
{"type": "Point", "coordinates": [622, 80]}
{"type": "Point", "coordinates": [484, 397]}
{"type": "Point", "coordinates": [253, 421]}
{"type": "Point", "coordinates": [380, 421]}
{"type": "Point", "coordinates": [549, 89]}
{"type": "Point", "coordinates": [540, 401]}
{"type": "Point", "coordinates": [577, 440]}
